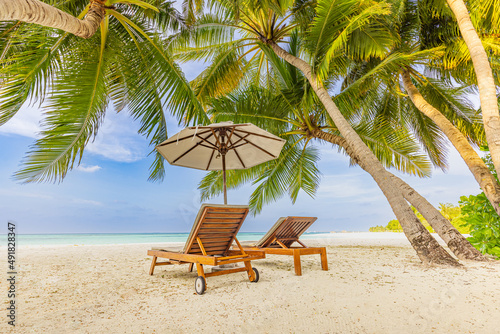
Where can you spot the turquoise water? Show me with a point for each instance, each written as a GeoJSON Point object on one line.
{"type": "Point", "coordinates": [119, 238]}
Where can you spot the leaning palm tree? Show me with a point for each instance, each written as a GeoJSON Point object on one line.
{"type": "Point", "coordinates": [38, 12]}
{"type": "Point", "coordinates": [301, 120]}
{"type": "Point", "coordinates": [261, 27]}
{"type": "Point", "coordinates": [76, 80]}
{"type": "Point", "coordinates": [406, 60]}
{"type": "Point", "coordinates": [487, 11]}
{"type": "Point", "coordinates": [292, 111]}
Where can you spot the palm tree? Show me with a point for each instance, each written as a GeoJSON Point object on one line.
{"type": "Point", "coordinates": [392, 145]}
{"type": "Point", "coordinates": [406, 60]}
{"type": "Point", "coordinates": [485, 80]}
{"type": "Point", "coordinates": [74, 80]}
{"type": "Point", "coordinates": [264, 24]}
{"type": "Point", "coordinates": [35, 11]}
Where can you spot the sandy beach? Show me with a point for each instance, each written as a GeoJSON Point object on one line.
{"type": "Point", "coordinates": [372, 286]}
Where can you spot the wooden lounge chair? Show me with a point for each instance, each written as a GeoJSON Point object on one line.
{"type": "Point", "coordinates": [209, 243]}
{"type": "Point", "coordinates": [279, 239]}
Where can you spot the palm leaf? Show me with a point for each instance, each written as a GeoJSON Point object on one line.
{"type": "Point", "coordinates": [73, 115]}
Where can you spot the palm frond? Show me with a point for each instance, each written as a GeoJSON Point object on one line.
{"type": "Point", "coordinates": [74, 112]}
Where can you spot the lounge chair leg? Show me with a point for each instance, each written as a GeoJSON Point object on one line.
{"type": "Point", "coordinates": [153, 265]}
{"type": "Point", "coordinates": [199, 268]}
{"type": "Point", "coordinates": [324, 262]}
{"type": "Point", "coordinates": [201, 272]}
{"type": "Point", "coordinates": [296, 262]}
{"type": "Point", "coordinates": [251, 274]}
{"type": "Point", "coordinates": [191, 265]}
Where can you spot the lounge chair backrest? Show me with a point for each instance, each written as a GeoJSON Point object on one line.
{"type": "Point", "coordinates": [216, 226]}
{"type": "Point", "coordinates": [286, 230]}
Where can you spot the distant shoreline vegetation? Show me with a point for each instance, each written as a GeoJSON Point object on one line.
{"type": "Point", "coordinates": [474, 216]}
{"type": "Point", "coordinates": [449, 211]}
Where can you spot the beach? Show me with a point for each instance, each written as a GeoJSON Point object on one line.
{"type": "Point", "coordinates": [374, 285]}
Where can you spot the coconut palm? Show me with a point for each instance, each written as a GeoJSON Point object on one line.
{"type": "Point", "coordinates": [35, 11]}
{"type": "Point", "coordinates": [406, 60]}
{"type": "Point", "coordinates": [291, 111]}
{"type": "Point", "coordinates": [254, 29]}
{"type": "Point", "coordinates": [299, 120]}
{"type": "Point", "coordinates": [488, 11]}
{"type": "Point", "coordinates": [75, 80]}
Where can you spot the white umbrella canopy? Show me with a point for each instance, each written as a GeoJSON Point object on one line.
{"type": "Point", "coordinates": [221, 146]}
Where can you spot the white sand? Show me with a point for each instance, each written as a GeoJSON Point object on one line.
{"type": "Point", "coordinates": [370, 288]}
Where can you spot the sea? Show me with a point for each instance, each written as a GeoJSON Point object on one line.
{"type": "Point", "coordinates": [126, 238]}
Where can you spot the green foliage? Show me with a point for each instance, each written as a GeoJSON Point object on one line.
{"type": "Point", "coordinates": [394, 226]}
{"type": "Point", "coordinates": [484, 223]}
{"type": "Point", "coordinates": [449, 211]}
{"type": "Point", "coordinates": [378, 228]}
{"type": "Point", "coordinates": [455, 216]}
{"type": "Point", "coordinates": [74, 81]}
{"type": "Point", "coordinates": [489, 162]}
{"type": "Point", "coordinates": [481, 218]}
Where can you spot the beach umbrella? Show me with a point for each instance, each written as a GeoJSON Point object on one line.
{"type": "Point", "coordinates": [221, 146]}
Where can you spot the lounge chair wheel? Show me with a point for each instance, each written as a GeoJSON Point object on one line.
{"type": "Point", "coordinates": [256, 275]}
{"type": "Point", "coordinates": [200, 285]}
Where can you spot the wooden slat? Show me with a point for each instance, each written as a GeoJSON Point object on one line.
{"type": "Point", "coordinates": [210, 235]}
{"type": "Point", "coordinates": [220, 225]}
{"type": "Point", "coordinates": [195, 234]}
{"type": "Point", "coordinates": [223, 239]}
{"type": "Point", "coordinates": [212, 244]}
{"type": "Point", "coordinates": [224, 215]}
{"type": "Point", "coordinates": [222, 230]}
{"type": "Point", "coordinates": [223, 220]}
{"type": "Point", "coordinates": [221, 209]}
{"type": "Point", "coordinates": [289, 231]}
{"type": "Point", "coordinates": [232, 257]}
{"type": "Point", "coordinates": [252, 257]}
{"type": "Point", "coordinates": [216, 229]}
{"type": "Point", "coordinates": [225, 272]}
{"type": "Point", "coordinates": [183, 257]}
{"type": "Point", "coordinates": [209, 249]}
{"type": "Point", "coordinates": [164, 263]}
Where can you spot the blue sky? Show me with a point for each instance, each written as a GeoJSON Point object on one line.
{"type": "Point", "coordinates": [109, 191]}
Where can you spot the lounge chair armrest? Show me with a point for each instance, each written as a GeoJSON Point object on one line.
{"type": "Point", "coordinates": [192, 258]}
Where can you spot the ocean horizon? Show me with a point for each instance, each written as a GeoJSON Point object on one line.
{"type": "Point", "coordinates": [127, 238]}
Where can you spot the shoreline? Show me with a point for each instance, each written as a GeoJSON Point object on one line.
{"type": "Point", "coordinates": [372, 286]}
{"type": "Point", "coordinates": [325, 239]}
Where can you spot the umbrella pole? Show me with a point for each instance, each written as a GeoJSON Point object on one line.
{"type": "Point", "coordinates": [224, 177]}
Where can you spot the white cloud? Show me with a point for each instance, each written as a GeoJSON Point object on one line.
{"type": "Point", "coordinates": [25, 123]}
{"type": "Point", "coordinates": [87, 202]}
{"type": "Point", "coordinates": [88, 169]}
{"type": "Point", "coordinates": [118, 140]}
{"type": "Point", "coordinates": [348, 187]}
{"type": "Point", "coordinates": [13, 192]}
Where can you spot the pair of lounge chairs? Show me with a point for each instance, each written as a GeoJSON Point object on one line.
{"type": "Point", "coordinates": [211, 239]}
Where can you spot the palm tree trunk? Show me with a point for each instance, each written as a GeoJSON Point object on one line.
{"type": "Point", "coordinates": [476, 165]}
{"type": "Point", "coordinates": [34, 11]}
{"type": "Point", "coordinates": [457, 243]}
{"type": "Point", "coordinates": [427, 248]}
{"type": "Point", "coordinates": [486, 83]}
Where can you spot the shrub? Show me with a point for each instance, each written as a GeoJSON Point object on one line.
{"type": "Point", "coordinates": [394, 226]}
{"type": "Point", "coordinates": [378, 228]}
{"type": "Point", "coordinates": [448, 210]}
{"type": "Point", "coordinates": [484, 223]}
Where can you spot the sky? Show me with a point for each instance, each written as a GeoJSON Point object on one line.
{"type": "Point", "coordinates": [109, 192]}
